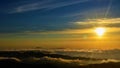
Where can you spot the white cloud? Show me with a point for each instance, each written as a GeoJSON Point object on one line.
{"type": "Point", "coordinates": [100, 21]}
{"type": "Point", "coordinates": [109, 60]}
{"type": "Point", "coordinates": [44, 5]}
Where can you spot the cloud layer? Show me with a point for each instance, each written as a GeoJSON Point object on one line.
{"type": "Point", "coordinates": [44, 57]}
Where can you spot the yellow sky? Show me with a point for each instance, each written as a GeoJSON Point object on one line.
{"type": "Point", "coordinates": [66, 39]}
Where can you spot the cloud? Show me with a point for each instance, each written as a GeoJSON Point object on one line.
{"type": "Point", "coordinates": [49, 4]}
{"type": "Point", "coordinates": [14, 59]}
{"type": "Point", "coordinates": [106, 22]}
{"type": "Point", "coordinates": [59, 61]}
{"type": "Point", "coordinates": [109, 60]}
{"type": "Point", "coordinates": [78, 27]}
{"type": "Point", "coordinates": [49, 62]}
{"type": "Point", "coordinates": [56, 59]}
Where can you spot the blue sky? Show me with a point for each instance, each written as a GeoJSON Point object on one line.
{"type": "Point", "coordinates": [52, 15]}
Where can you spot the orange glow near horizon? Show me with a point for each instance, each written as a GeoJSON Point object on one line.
{"type": "Point", "coordinates": [107, 38]}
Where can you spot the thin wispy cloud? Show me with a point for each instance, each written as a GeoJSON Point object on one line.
{"type": "Point", "coordinates": [49, 4]}
{"type": "Point", "coordinates": [28, 7]}
{"type": "Point", "coordinates": [107, 22]}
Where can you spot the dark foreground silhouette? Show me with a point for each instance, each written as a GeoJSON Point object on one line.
{"type": "Point", "coordinates": [37, 59]}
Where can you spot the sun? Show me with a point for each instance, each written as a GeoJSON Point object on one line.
{"type": "Point", "coordinates": [100, 31]}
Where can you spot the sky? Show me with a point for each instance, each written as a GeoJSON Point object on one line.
{"type": "Point", "coordinates": [59, 24]}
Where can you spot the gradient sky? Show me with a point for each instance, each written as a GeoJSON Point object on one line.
{"type": "Point", "coordinates": [59, 23]}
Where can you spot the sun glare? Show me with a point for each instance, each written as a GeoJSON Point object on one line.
{"type": "Point", "coordinates": [100, 31]}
